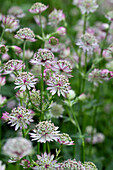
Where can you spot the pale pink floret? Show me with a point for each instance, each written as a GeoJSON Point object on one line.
{"type": "Point", "coordinates": [5, 116]}
{"type": "Point", "coordinates": [59, 84]}
{"type": "Point", "coordinates": [2, 81]}
{"type": "Point", "coordinates": [45, 131]}
{"type": "Point", "coordinates": [2, 99]}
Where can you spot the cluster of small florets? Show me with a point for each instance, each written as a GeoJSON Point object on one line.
{"type": "Point", "coordinates": [97, 76]}
{"type": "Point", "coordinates": [35, 97]}
{"type": "Point", "coordinates": [3, 49]}
{"type": "Point", "coordinates": [86, 6]}
{"type": "Point", "coordinates": [89, 166]}
{"type": "Point", "coordinates": [62, 66]}
{"type": "Point", "coordinates": [56, 110]}
{"type": "Point", "coordinates": [65, 139]}
{"type": "Point", "coordinates": [38, 8]}
{"type": "Point", "coordinates": [20, 117]}
{"type": "Point", "coordinates": [46, 161]}
{"type": "Point", "coordinates": [25, 34]}
{"type": "Point", "coordinates": [25, 81]}
{"type": "Point", "coordinates": [16, 11]}
{"type": "Point", "coordinates": [55, 17]}
{"type": "Point", "coordinates": [45, 131]}
{"type": "Point", "coordinates": [42, 57]}
{"type": "Point", "coordinates": [13, 65]}
{"type": "Point", "coordinates": [59, 84]}
{"type": "Point", "coordinates": [10, 23]}
{"type": "Point", "coordinates": [17, 148]}
{"type": "Point", "coordinates": [87, 42]}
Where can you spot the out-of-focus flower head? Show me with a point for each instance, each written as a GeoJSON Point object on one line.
{"type": "Point", "coordinates": [2, 99]}
{"type": "Point", "coordinates": [2, 167]}
{"type": "Point", "coordinates": [3, 49]}
{"type": "Point", "coordinates": [45, 131]}
{"type": "Point", "coordinates": [71, 95]}
{"type": "Point", "coordinates": [109, 16]}
{"type": "Point", "coordinates": [13, 65]}
{"type": "Point", "coordinates": [2, 81]}
{"type": "Point", "coordinates": [38, 8]}
{"type": "Point", "coordinates": [56, 110]}
{"type": "Point", "coordinates": [65, 139]}
{"type": "Point", "coordinates": [25, 34]}
{"type": "Point", "coordinates": [17, 148]}
{"type": "Point", "coordinates": [35, 97]}
{"type": "Point", "coordinates": [90, 130]}
{"type": "Point", "coordinates": [46, 161]}
{"type": "Point", "coordinates": [86, 6]}
{"type": "Point", "coordinates": [42, 57]}
{"type": "Point", "coordinates": [55, 17]}
{"type": "Point", "coordinates": [20, 118]}
{"type": "Point", "coordinates": [63, 67]}
{"type": "Point", "coordinates": [87, 42]}
{"type": "Point", "coordinates": [58, 84]}
{"type": "Point", "coordinates": [82, 97]}
{"type": "Point", "coordinates": [16, 11]}
{"type": "Point", "coordinates": [61, 31]}
{"type": "Point", "coordinates": [5, 116]}
{"type": "Point", "coordinates": [97, 138]}
{"type": "Point", "coordinates": [10, 23]}
{"type": "Point", "coordinates": [25, 81]}
{"type": "Point", "coordinates": [5, 57]}
{"type": "Point", "coordinates": [16, 49]}
{"type": "Point", "coordinates": [54, 48]}
{"type": "Point", "coordinates": [27, 55]}
{"type": "Point", "coordinates": [37, 20]}
{"type": "Point", "coordinates": [25, 163]}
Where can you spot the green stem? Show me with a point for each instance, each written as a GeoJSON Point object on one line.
{"type": "Point", "coordinates": [44, 147]}
{"type": "Point", "coordinates": [85, 70]}
{"type": "Point", "coordinates": [38, 148]}
{"type": "Point", "coordinates": [48, 147]}
{"type": "Point", "coordinates": [24, 45]}
{"type": "Point", "coordinates": [85, 21]}
{"type": "Point", "coordinates": [42, 88]}
{"type": "Point", "coordinates": [43, 36]}
{"type": "Point", "coordinates": [2, 35]}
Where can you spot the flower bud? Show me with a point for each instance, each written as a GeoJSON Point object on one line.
{"type": "Point", "coordinates": [71, 95]}
{"type": "Point", "coordinates": [82, 97]}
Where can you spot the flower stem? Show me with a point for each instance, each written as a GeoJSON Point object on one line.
{"type": "Point", "coordinates": [85, 21]}
{"type": "Point", "coordinates": [48, 147]}
{"type": "Point", "coordinates": [2, 35]}
{"type": "Point", "coordinates": [24, 45]}
{"type": "Point", "coordinates": [42, 88]}
{"type": "Point", "coordinates": [38, 148]}
{"type": "Point", "coordinates": [43, 36]}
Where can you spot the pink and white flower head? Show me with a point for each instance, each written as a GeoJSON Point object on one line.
{"type": "Point", "coordinates": [2, 81]}
{"type": "Point", "coordinates": [16, 49]}
{"type": "Point", "coordinates": [38, 8]}
{"type": "Point", "coordinates": [2, 167]}
{"type": "Point", "coordinates": [10, 23]}
{"type": "Point", "coordinates": [16, 148]}
{"type": "Point", "coordinates": [5, 116]}
{"type": "Point", "coordinates": [35, 97]}
{"type": "Point", "coordinates": [13, 65]}
{"type": "Point", "coordinates": [25, 163]}
{"type": "Point", "coordinates": [109, 16]}
{"type": "Point", "coordinates": [53, 40]}
{"type": "Point", "coordinates": [65, 139]}
{"type": "Point", "coordinates": [87, 42]}
{"type": "Point", "coordinates": [20, 118]}
{"type": "Point", "coordinates": [89, 166]}
{"type": "Point", "coordinates": [16, 11]}
{"type": "Point", "coordinates": [56, 110]}
{"type": "Point", "coordinates": [43, 57]}
{"type": "Point", "coordinates": [3, 49]}
{"type": "Point", "coordinates": [45, 131]}
{"type": "Point", "coordinates": [63, 67]}
{"type": "Point", "coordinates": [106, 74]}
{"type": "Point", "coordinates": [97, 138]}
{"type": "Point", "coordinates": [55, 17]}
{"type": "Point", "coordinates": [37, 20]}
{"type": "Point", "coordinates": [61, 31]}
{"type": "Point", "coordinates": [58, 84]}
{"type": "Point", "coordinates": [3, 99]}
{"type": "Point", "coordinates": [25, 34]}
{"type": "Point", "coordinates": [72, 165]}
{"type": "Point", "coordinates": [27, 55]}
{"type": "Point", "coordinates": [87, 6]}
{"type": "Point", "coordinates": [107, 55]}
{"type": "Point", "coordinates": [65, 53]}
{"type": "Point", "coordinates": [46, 161]}
{"type": "Point", "coordinates": [25, 81]}
{"type": "Point", "coordinates": [5, 57]}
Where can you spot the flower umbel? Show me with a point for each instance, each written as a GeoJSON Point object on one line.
{"type": "Point", "coordinates": [56, 110]}
{"type": "Point", "coordinates": [20, 117]}
{"type": "Point", "coordinates": [16, 11]}
{"type": "Point", "coordinates": [38, 8]}
{"type": "Point", "coordinates": [65, 139]}
{"type": "Point", "coordinates": [45, 131]}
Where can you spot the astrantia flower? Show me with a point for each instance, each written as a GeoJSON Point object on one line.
{"type": "Point", "coordinates": [59, 84]}
{"type": "Point", "coordinates": [71, 165]}
{"type": "Point", "coordinates": [3, 49]}
{"type": "Point", "coordinates": [61, 31]}
{"type": "Point", "coordinates": [45, 131]}
{"type": "Point", "coordinates": [20, 118]}
{"type": "Point", "coordinates": [53, 40]}
{"type": "Point", "coordinates": [42, 57]}
{"type": "Point", "coordinates": [16, 11]}
{"type": "Point", "coordinates": [37, 20]}
{"type": "Point", "coordinates": [17, 49]}
{"type": "Point", "coordinates": [17, 148]}
{"type": "Point", "coordinates": [38, 8]}
{"type": "Point", "coordinates": [55, 17]}
{"type": "Point", "coordinates": [65, 139]}
{"type": "Point", "coordinates": [2, 81]}
{"type": "Point", "coordinates": [63, 67]}
{"type": "Point", "coordinates": [56, 110]}
{"type": "Point", "coordinates": [2, 167]}
{"type": "Point", "coordinates": [71, 95]}
{"type": "Point", "coordinates": [35, 97]}
{"type": "Point", "coordinates": [45, 161]}
{"type": "Point", "coordinates": [13, 65]}
{"type": "Point", "coordinates": [25, 80]}
{"type": "Point", "coordinates": [109, 16]}
{"type": "Point", "coordinates": [25, 163]}
{"type": "Point", "coordinates": [97, 138]}
{"type": "Point", "coordinates": [5, 116]}
{"type": "Point", "coordinates": [10, 23]}
{"type": "Point", "coordinates": [2, 99]}
{"type": "Point", "coordinates": [90, 166]}
{"type": "Point", "coordinates": [87, 42]}
{"type": "Point", "coordinates": [25, 34]}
